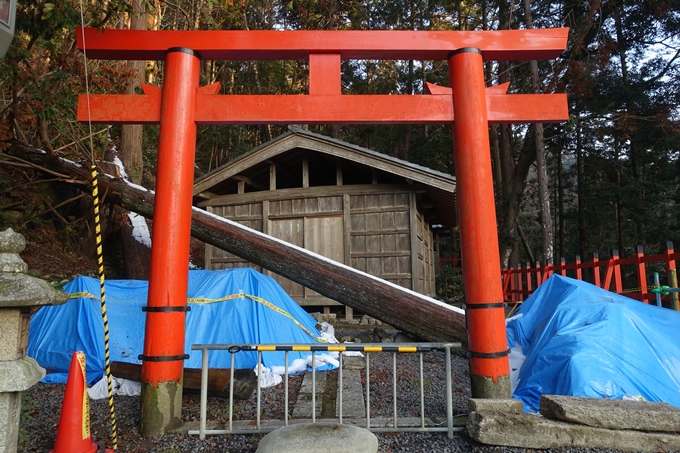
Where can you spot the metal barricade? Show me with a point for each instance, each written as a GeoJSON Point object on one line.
{"type": "Point", "coordinates": [366, 349]}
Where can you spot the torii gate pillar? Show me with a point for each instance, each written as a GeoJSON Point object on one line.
{"type": "Point", "coordinates": [165, 314]}
{"type": "Point", "coordinates": [485, 316]}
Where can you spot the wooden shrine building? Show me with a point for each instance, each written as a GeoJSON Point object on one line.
{"type": "Point", "coordinates": [361, 208]}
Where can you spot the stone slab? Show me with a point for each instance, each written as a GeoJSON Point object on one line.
{"type": "Point", "coordinates": [303, 405]}
{"type": "Point", "coordinates": [319, 437]}
{"type": "Point", "coordinates": [353, 363]}
{"type": "Point", "coordinates": [534, 431]}
{"type": "Point", "coordinates": [612, 414]}
{"type": "Point", "coordinates": [497, 405]}
{"type": "Point", "coordinates": [10, 330]}
{"type": "Point", "coordinates": [353, 404]}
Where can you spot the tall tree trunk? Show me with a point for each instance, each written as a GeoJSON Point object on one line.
{"type": "Point", "coordinates": [136, 255]}
{"type": "Point", "coordinates": [131, 134]}
{"type": "Point", "coordinates": [581, 193]}
{"type": "Point", "coordinates": [560, 205]}
{"type": "Point", "coordinates": [409, 128]}
{"type": "Point", "coordinates": [627, 125]}
{"type": "Point", "coordinates": [513, 192]}
{"type": "Point", "coordinates": [541, 166]}
{"type": "Point", "coordinates": [619, 215]}
{"type": "Point", "coordinates": [511, 188]}
{"type": "Point", "coordinates": [493, 130]}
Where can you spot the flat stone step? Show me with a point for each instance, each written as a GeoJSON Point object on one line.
{"type": "Point", "coordinates": [612, 414]}
{"type": "Point", "coordinates": [303, 405]}
{"type": "Point", "coordinates": [353, 404]}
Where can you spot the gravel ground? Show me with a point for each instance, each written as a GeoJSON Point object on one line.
{"type": "Point", "coordinates": [39, 429]}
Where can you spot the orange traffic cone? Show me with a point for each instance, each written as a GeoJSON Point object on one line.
{"type": "Point", "coordinates": [73, 433]}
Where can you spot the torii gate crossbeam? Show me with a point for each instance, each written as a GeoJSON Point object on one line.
{"type": "Point", "coordinates": [182, 104]}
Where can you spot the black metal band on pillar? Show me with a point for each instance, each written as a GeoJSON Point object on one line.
{"type": "Point", "coordinates": [176, 308]}
{"type": "Point", "coordinates": [164, 358]}
{"type": "Point", "coordinates": [183, 50]}
{"type": "Point", "coordinates": [489, 305]}
{"type": "Point", "coordinates": [464, 50]}
{"type": "Point", "coordinates": [488, 355]}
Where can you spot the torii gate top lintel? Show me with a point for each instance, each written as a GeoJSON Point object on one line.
{"type": "Point", "coordinates": [324, 50]}
{"type": "Point", "coordinates": [113, 44]}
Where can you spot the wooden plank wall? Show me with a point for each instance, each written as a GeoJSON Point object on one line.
{"type": "Point", "coordinates": [375, 230]}
{"type": "Point", "coordinates": [380, 236]}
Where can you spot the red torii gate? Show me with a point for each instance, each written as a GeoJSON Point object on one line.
{"type": "Point", "coordinates": [181, 104]}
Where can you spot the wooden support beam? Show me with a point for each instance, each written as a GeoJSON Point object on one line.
{"type": "Point", "coordinates": [250, 182]}
{"type": "Point", "coordinates": [272, 176]}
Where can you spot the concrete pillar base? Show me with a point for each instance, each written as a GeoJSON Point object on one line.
{"type": "Point", "coordinates": [485, 387]}
{"type": "Point", "coordinates": [160, 408]}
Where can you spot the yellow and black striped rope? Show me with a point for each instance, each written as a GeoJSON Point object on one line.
{"type": "Point", "coordinates": [105, 319]}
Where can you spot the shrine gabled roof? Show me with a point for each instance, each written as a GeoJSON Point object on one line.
{"type": "Point", "coordinates": [284, 150]}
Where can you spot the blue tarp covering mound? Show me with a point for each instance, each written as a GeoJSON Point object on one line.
{"type": "Point", "coordinates": [237, 306]}
{"type": "Point", "coordinates": [581, 340]}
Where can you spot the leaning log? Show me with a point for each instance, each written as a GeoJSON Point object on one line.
{"type": "Point", "coordinates": [399, 307]}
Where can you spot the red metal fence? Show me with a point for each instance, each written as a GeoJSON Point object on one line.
{"type": "Point", "coordinates": [630, 276]}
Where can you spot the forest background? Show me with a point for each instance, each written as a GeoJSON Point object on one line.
{"type": "Point", "coordinates": [607, 178]}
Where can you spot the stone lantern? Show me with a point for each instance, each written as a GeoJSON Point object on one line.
{"type": "Point", "coordinates": [20, 294]}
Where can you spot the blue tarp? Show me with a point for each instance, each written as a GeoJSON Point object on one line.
{"type": "Point", "coordinates": [581, 340]}
{"type": "Point", "coordinates": [237, 306]}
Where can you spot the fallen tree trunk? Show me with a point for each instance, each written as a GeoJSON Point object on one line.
{"type": "Point", "coordinates": [401, 308]}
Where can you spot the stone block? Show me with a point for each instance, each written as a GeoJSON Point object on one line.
{"type": "Point", "coordinates": [21, 290]}
{"type": "Point", "coordinates": [612, 414]}
{"type": "Point", "coordinates": [534, 431]}
{"type": "Point", "coordinates": [317, 316]}
{"type": "Point", "coordinates": [10, 262]}
{"type": "Point", "coordinates": [19, 375]}
{"type": "Point", "coordinates": [401, 337]}
{"type": "Point", "coordinates": [12, 242]}
{"type": "Point", "coordinates": [495, 405]}
{"type": "Point", "coordinates": [10, 333]}
{"type": "Point", "coordinates": [309, 438]}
